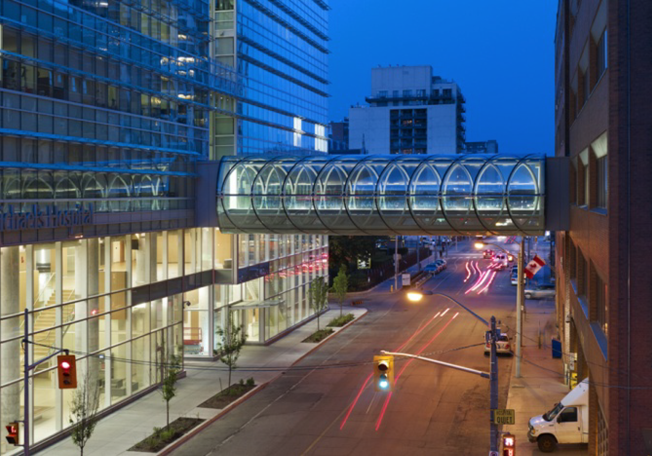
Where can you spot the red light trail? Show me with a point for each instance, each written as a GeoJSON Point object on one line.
{"type": "Point", "coordinates": [405, 366]}
{"type": "Point", "coordinates": [357, 397]}
{"type": "Point", "coordinates": [468, 276]}
{"type": "Point", "coordinates": [493, 275]}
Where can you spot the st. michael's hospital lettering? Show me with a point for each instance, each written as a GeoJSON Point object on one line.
{"type": "Point", "coordinates": [44, 217]}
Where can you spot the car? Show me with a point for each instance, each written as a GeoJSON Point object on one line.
{"type": "Point", "coordinates": [501, 258]}
{"type": "Point", "coordinates": [488, 254]}
{"type": "Point", "coordinates": [442, 264]}
{"type": "Point", "coordinates": [502, 344]}
{"type": "Point", "coordinates": [432, 268]}
{"type": "Point", "coordinates": [514, 276]}
{"type": "Point", "coordinates": [540, 292]}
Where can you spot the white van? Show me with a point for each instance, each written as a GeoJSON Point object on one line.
{"type": "Point", "coordinates": [567, 422]}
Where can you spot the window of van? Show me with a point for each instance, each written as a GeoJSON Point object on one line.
{"type": "Point", "coordinates": [568, 415]}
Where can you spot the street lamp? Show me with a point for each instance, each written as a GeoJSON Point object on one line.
{"type": "Point", "coordinates": [415, 296]}
{"type": "Point", "coordinates": [520, 298]}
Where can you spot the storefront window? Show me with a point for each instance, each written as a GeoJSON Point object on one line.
{"type": "Point", "coordinates": [175, 249]}
{"type": "Point", "coordinates": [223, 250]}
{"type": "Point", "coordinates": [197, 335]}
{"type": "Point", "coordinates": [119, 263]}
{"type": "Point", "coordinates": [45, 272]}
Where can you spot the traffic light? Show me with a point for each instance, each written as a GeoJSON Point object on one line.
{"type": "Point", "coordinates": [12, 434]}
{"type": "Point", "coordinates": [67, 370]}
{"type": "Point", "coordinates": [384, 372]}
{"type": "Point", "coordinates": [509, 445]}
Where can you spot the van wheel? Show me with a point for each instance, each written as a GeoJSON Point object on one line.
{"type": "Point", "coordinates": [547, 443]}
{"type": "Point", "coordinates": [528, 296]}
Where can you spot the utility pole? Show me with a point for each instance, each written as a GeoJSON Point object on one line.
{"type": "Point", "coordinates": [396, 263]}
{"type": "Point", "coordinates": [418, 254]}
{"type": "Point", "coordinates": [519, 308]}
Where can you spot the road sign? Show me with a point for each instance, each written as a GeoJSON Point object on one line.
{"type": "Point", "coordinates": [364, 263]}
{"type": "Point", "coordinates": [406, 279]}
{"type": "Point", "coordinates": [504, 416]}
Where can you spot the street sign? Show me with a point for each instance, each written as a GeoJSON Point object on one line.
{"type": "Point", "coordinates": [504, 416]}
{"type": "Point", "coordinates": [364, 263]}
{"type": "Point", "coordinates": [406, 279]}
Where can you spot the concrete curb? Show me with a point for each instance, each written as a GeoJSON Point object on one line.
{"type": "Point", "coordinates": [177, 443]}
{"type": "Point", "coordinates": [319, 344]}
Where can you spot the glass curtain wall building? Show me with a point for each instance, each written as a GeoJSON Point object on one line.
{"type": "Point", "coordinates": [108, 110]}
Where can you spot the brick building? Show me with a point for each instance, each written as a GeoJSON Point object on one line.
{"type": "Point", "coordinates": [602, 123]}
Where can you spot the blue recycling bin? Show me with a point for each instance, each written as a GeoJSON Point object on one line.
{"type": "Point", "coordinates": [556, 348]}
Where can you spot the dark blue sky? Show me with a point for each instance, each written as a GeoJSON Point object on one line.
{"type": "Point", "coordinates": [500, 52]}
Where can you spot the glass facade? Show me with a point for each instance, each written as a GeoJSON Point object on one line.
{"type": "Point", "coordinates": [279, 49]}
{"type": "Point", "coordinates": [82, 296]}
{"type": "Point", "coordinates": [382, 195]}
{"type": "Point", "coordinates": [108, 110]}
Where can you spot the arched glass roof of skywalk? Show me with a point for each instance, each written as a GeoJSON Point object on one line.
{"type": "Point", "coordinates": [380, 195]}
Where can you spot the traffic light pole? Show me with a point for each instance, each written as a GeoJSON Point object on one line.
{"type": "Point", "coordinates": [27, 367]}
{"type": "Point", "coordinates": [26, 385]}
{"type": "Point", "coordinates": [493, 389]}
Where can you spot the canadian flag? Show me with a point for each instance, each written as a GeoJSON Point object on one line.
{"type": "Point", "coordinates": [533, 266]}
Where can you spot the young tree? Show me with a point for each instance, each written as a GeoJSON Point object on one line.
{"type": "Point", "coordinates": [83, 411]}
{"type": "Point", "coordinates": [318, 296]}
{"type": "Point", "coordinates": [230, 346]}
{"type": "Point", "coordinates": [170, 371]}
{"type": "Point", "coordinates": [341, 286]}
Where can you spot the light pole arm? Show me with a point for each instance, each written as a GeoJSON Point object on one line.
{"type": "Point", "coordinates": [441, 363]}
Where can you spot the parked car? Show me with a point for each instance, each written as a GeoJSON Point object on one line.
{"type": "Point", "coordinates": [442, 264]}
{"type": "Point", "coordinates": [502, 344]}
{"type": "Point", "coordinates": [432, 268]}
{"type": "Point", "coordinates": [540, 292]}
{"type": "Point", "coordinates": [567, 422]}
{"type": "Point", "coordinates": [514, 276]}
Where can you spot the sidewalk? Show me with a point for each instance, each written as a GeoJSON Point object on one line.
{"type": "Point", "coordinates": [541, 385]}
{"type": "Point", "coordinates": [118, 432]}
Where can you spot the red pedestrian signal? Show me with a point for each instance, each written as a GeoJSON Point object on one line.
{"type": "Point", "coordinates": [509, 445]}
{"type": "Point", "coordinates": [12, 434]}
{"type": "Point", "coordinates": [67, 370]}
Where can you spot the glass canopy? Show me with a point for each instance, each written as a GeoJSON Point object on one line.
{"type": "Point", "coordinates": [382, 195]}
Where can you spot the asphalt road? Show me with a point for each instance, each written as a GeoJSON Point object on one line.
{"type": "Point", "coordinates": [432, 410]}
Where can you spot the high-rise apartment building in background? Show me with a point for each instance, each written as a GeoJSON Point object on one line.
{"type": "Point", "coordinates": [602, 123]}
{"type": "Point", "coordinates": [110, 110]}
{"type": "Point", "coordinates": [482, 147]}
{"type": "Point", "coordinates": [410, 112]}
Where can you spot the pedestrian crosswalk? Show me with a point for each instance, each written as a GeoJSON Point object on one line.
{"type": "Point", "coordinates": [465, 255]}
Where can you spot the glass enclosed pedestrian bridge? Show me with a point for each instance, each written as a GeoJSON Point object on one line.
{"type": "Point", "coordinates": [382, 195]}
